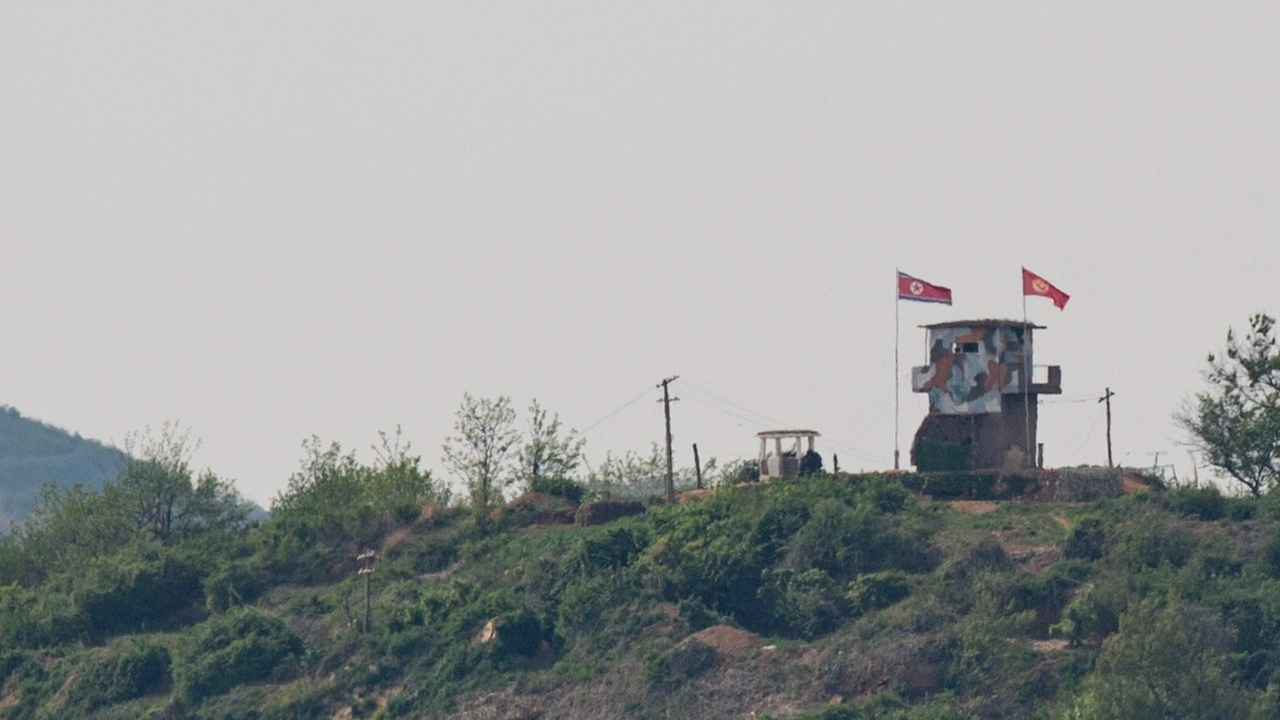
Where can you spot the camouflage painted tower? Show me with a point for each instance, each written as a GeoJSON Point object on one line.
{"type": "Point", "coordinates": [982, 396]}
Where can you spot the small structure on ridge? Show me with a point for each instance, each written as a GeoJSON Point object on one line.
{"type": "Point", "coordinates": [790, 463]}
{"type": "Point", "coordinates": [982, 396]}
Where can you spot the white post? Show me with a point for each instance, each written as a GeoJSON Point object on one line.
{"type": "Point", "coordinates": [897, 393]}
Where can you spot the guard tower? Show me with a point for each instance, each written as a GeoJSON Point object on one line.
{"type": "Point", "coordinates": [982, 396]}
{"type": "Point", "coordinates": [790, 463]}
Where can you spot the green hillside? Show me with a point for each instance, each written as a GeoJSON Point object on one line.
{"type": "Point", "coordinates": [33, 453]}
{"type": "Point", "coordinates": [829, 597]}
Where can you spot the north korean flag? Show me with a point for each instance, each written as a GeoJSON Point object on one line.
{"type": "Point", "coordinates": [911, 288]}
{"type": "Point", "coordinates": [1033, 284]}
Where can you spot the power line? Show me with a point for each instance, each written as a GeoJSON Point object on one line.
{"type": "Point", "coordinates": [722, 411]}
{"type": "Point", "coordinates": [759, 415]}
{"type": "Point", "coordinates": [625, 405]}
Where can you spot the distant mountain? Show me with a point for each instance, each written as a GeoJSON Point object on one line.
{"type": "Point", "coordinates": [33, 453]}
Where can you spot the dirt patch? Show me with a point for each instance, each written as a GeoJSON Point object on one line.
{"type": "Point", "coordinates": [689, 496]}
{"type": "Point", "coordinates": [973, 507]}
{"type": "Point", "coordinates": [1032, 558]}
{"type": "Point", "coordinates": [1062, 521]}
{"type": "Point", "coordinates": [394, 540]}
{"type": "Point", "coordinates": [1050, 646]}
{"type": "Point", "coordinates": [1130, 483]}
{"type": "Point", "coordinates": [730, 642]}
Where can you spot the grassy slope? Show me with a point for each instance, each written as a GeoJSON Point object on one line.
{"type": "Point", "coordinates": [652, 616]}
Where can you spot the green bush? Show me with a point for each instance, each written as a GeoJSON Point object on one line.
{"type": "Point", "coordinates": [1204, 503]}
{"type": "Point", "coordinates": [244, 645]}
{"type": "Point", "coordinates": [519, 634]}
{"type": "Point", "coordinates": [874, 591]}
{"type": "Point", "coordinates": [138, 668]}
{"type": "Point", "coordinates": [564, 487]}
{"type": "Point", "coordinates": [139, 587]}
{"type": "Point", "coordinates": [38, 618]}
{"type": "Point", "coordinates": [1153, 539]}
{"type": "Point", "coordinates": [1086, 541]}
{"type": "Point", "coordinates": [301, 700]}
{"type": "Point", "coordinates": [807, 604]}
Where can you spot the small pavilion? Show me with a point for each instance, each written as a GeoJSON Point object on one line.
{"type": "Point", "coordinates": [784, 463]}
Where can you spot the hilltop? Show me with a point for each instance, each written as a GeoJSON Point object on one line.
{"type": "Point", "coordinates": [33, 453]}
{"type": "Point", "coordinates": [827, 597]}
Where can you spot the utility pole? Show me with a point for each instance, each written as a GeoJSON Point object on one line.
{"type": "Point", "coordinates": [666, 411]}
{"type": "Point", "coordinates": [366, 560]}
{"type": "Point", "coordinates": [697, 465]}
{"type": "Point", "coordinates": [1107, 399]}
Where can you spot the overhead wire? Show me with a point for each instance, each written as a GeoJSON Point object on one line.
{"type": "Point", "coordinates": [759, 415]}
{"type": "Point", "coordinates": [855, 452]}
{"type": "Point", "coordinates": [624, 406]}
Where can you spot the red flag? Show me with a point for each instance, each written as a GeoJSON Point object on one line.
{"type": "Point", "coordinates": [1033, 284]}
{"type": "Point", "coordinates": [910, 288]}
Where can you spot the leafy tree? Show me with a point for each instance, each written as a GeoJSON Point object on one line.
{"type": "Point", "coordinates": [398, 484]}
{"type": "Point", "coordinates": [153, 499]}
{"type": "Point", "coordinates": [66, 528]}
{"type": "Point", "coordinates": [1164, 663]}
{"type": "Point", "coordinates": [323, 503]}
{"type": "Point", "coordinates": [547, 450]}
{"type": "Point", "coordinates": [159, 497]}
{"type": "Point", "coordinates": [479, 452]}
{"type": "Point", "coordinates": [1236, 423]}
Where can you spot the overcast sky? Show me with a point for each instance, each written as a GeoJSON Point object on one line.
{"type": "Point", "coordinates": [274, 220]}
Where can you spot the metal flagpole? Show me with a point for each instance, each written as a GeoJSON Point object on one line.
{"type": "Point", "coordinates": [897, 394]}
{"type": "Point", "coordinates": [1027, 372]}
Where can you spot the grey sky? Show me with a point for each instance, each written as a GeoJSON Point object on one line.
{"type": "Point", "coordinates": [272, 220]}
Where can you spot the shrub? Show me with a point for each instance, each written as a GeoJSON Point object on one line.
{"type": "Point", "coordinates": [244, 645]}
{"type": "Point", "coordinates": [138, 668]}
{"type": "Point", "coordinates": [235, 582]}
{"type": "Point", "coordinates": [1086, 540]}
{"type": "Point", "coordinates": [139, 586]}
{"type": "Point", "coordinates": [1204, 503]}
{"type": "Point", "coordinates": [1153, 540]}
{"type": "Point", "coordinates": [686, 660]}
{"type": "Point", "coordinates": [807, 604]}
{"type": "Point", "coordinates": [564, 487]}
{"type": "Point", "coordinates": [873, 591]}
{"type": "Point", "coordinates": [31, 618]}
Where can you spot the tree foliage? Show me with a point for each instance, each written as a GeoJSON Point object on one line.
{"type": "Point", "coordinates": [477, 453]}
{"type": "Point", "coordinates": [333, 501]}
{"type": "Point", "coordinates": [155, 498]}
{"type": "Point", "coordinates": [548, 451]}
{"type": "Point", "coordinates": [1236, 422]}
{"type": "Point", "coordinates": [160, 497]}
{"type": "Point", "coordinates": [1165, 662]}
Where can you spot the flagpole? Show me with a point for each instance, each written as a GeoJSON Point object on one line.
{"type": "Point", "coordinates": [1027, 372]}
{"type": "Point", "coordinates": [897, 394]}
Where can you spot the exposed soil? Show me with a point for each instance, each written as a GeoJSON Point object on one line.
{"type": "Point", "coordinates": [1133, 483]}
{"type": "Point", "coordinates": [974, 507]}
{"type": "Point", "coordinates": [730, 642]}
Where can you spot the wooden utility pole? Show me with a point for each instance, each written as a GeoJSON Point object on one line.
{"type": "Point", "coordinates": [697, 465]}
{"type": "Point", "coordinates": [366, 560]}
{"type": "Point", "coordinates": [666, 411]}
{"type": "Point", "coordinates": [1106, 397]}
